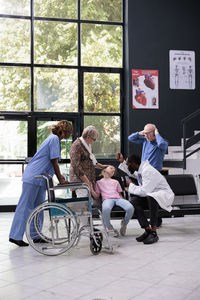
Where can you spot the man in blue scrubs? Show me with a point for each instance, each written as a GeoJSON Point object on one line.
{"type": "Point", "coordinates": [45, 161]}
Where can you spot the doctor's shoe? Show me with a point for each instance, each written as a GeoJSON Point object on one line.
{"type": "Point", "coordinates": [19, 243]}
{"type": "Point", "coordinates": [151, 238]}
{"type": "Point", "coordinates": [142, 237]}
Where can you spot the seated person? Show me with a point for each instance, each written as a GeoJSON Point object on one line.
{"type": "Point", "coordinates": [152, 189]}
{"type": "Point", "coordinates": [110, 190]}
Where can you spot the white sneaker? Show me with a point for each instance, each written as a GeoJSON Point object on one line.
{"type": "Point", "coordinates": [113, 231]}
{"type": "Point", "coordinates": [123, 228]}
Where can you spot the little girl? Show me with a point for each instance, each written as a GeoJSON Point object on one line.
{"type": "Point", "coordinates": [111, 193]}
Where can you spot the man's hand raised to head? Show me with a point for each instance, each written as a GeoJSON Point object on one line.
{"type": "Point", "coordinates": [156, 131]}
{"type": "Point", "coordinates": [141, 132]}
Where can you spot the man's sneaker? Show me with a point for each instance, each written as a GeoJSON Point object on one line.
{"type": "Point", "coordinates": [142, 237]}
{"type": "Point", "coordinates": [123, 228]}
{"type": "Point", "coordinates": [151, 238]}
{"type": "Point", "coordinates": [113, 231]}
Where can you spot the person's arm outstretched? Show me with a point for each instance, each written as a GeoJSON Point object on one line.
{"type": "Point", "coordinates": [94, 193]}
{"type": "Point", "coordinates": [56, 167]}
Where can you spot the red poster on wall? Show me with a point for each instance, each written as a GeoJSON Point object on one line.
{"type": "Point", "coordinates": [145, 89]}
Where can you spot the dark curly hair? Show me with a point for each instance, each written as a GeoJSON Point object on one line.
{"type": "Point", "coordinates": [62, 126]}
{"type": "Point", "coordinates": [134, 158]}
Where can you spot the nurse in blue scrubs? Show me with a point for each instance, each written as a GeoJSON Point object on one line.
{"type": "Point", "coordinates": [45, 161]}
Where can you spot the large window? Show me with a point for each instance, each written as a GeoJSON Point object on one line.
{"type": "Point", "coordinates": [62, 59]}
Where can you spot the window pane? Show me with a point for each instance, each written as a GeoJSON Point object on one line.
{"type": "Point", "coordinates": [56, 90]}
{"type": "Point", "coordinates": [108, 143]}
{"type": "Point", "coordinates": [56, 9]}
{"type": "Point", "coordinates": [10, 184]}
{"type": "Point", "coordinates": [15, 40]}
{"type": "Point", "coordinates": [15, 7]}
{"type": "Point", "coordinates": [101, 92]}
{"type": "Point", "coordinates": [101, 10]}
{"type": "Point", "coordinates": [13, 137]}
{"type": "Point", "coordinates": [14, 89]}
{"type": "Point", "coordinates": [101, 45]}
{"type": "Point", "coordinates": [44, 130]}
{"type": "Point", "coordinates": [55, 43]}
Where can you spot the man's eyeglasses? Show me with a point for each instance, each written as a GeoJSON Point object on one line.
{"type": "Point", "coordinates": [93, 139]}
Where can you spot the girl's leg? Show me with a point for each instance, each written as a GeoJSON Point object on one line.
{"type": "Point", "coordinates": [128, 207]}
{"type": "Point", "coordinates": [107, 206]}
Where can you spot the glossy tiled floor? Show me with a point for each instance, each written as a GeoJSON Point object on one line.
{"type": "Point", "coordinates": [168, 270]}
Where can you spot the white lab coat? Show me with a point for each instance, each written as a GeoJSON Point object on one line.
{"type": "Point", "coordinates": [153, 185]}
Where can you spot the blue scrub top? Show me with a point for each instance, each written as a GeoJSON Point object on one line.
{"type": "Point", "coordinates": [41, 161]}
{"type": "Point", "coordinates": [153, 151]}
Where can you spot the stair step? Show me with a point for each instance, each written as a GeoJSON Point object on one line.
{"type": "Point", "coordinates": [173, 163]}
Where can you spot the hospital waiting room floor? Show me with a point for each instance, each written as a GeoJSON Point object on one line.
{"type": "Point", "coordinates": [167, 270]}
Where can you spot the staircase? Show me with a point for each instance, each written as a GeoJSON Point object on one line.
{"type": "Point", "coordinates": [187, 155]}
{"type": "Point", "coordinates": [175, 161]}
{"type": "Point", "coordinates": [184, 160]}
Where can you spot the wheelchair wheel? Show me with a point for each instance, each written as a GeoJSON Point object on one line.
{"type": "Point", "coordinates": [95, 247]}
{"type": "Point", "coordinates": [98, 234]}
{"type": "Point", "coordinates": [51, 229]}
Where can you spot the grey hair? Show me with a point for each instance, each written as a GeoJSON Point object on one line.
{"type": "Point", "coordinates": [90, 131]}
{"type": "Point", "coordinates": [153, 125]}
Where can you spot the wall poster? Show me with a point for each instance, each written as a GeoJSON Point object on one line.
{"type": "Point", "coordinates": [182, 69]}
{"type": "Point", "coordinates": [145, 89]}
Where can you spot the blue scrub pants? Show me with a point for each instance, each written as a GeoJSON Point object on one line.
{"type": "Point", "coordinates": [32, 196]}
{"type": "Point", "coordinates": [107, 206]}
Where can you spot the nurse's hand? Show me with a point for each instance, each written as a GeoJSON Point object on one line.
{"type": "Point", "coordinates": [62, 179]}
{"type": "Point", "coordinates": [65, 182]}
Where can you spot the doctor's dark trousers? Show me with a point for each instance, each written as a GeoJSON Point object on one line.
{"type": "Point", "coordinates": [142, 203]}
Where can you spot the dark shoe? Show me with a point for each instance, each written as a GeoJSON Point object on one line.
{"type": "Point", "coordinates": [19, 243]}
{"type": "Point", "coordinates": [142, 237]}
{"type": "Point", "coordinates": [151, 238]}
{"type": "Point", "coordinates": [35, 241]}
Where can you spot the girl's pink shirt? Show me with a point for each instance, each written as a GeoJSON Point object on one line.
{"type": "Point", "coordinates": [108, 188]}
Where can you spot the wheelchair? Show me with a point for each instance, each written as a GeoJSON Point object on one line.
{"type": "Point", "coordinates": [54, 226]}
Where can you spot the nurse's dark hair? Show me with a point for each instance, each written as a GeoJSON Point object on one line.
{"type": "Point", "coordinates": [134, 158]}
{"type": "Point", "coordinates": [62, 126]}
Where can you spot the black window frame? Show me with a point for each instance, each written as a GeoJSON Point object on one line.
{"type": "Point", "coordinates": [77, 118]}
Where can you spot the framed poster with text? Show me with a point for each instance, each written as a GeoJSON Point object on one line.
{"type": "Point", "coordinates": [182, 69]}
{"type": "Point", "coordinates": [145, 89]}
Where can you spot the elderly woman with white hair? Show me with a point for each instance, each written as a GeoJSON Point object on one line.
{"type": "Point", "coordinates": [83, 161]}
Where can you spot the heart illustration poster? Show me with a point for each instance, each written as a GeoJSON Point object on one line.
{"type": "Point", "coordinates": [145, 89]}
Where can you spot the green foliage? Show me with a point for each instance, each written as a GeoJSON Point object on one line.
{"type": "Point", "coordinates": [15, 7]}
{"type": "Point", "coordinates": [108, 142]}
{"type": "Point", "coordinates": [56, 8]}
{"type": "Point", "coordinates": [56, 43]}
{"type": "Point", "coordinates": [101, 10]}
{"type": "Point", "coordinates": [101, 45]}
{"type": "Point", "coordinates": [14, 89]}
{"type": "Point", "coordinates": [102, 92]}
{"type": "Point", "coordinates": [14, 40]}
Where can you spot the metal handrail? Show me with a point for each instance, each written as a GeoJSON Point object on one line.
{"type": "Point", "coordinates": [183, 122]}
{"type": "Point", "coordinates": [191, 116]}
